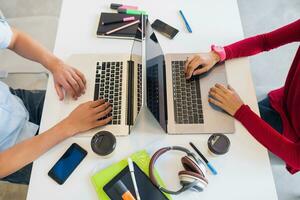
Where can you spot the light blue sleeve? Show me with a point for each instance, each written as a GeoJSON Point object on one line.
{"type": "Point", "coordinates": [5, 34]}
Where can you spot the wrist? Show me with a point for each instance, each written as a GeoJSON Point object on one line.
{"type": "Point", "coordinates": [239, 113]}
{"type": "Point", "coordinates": [216, 58]}
{"type": "Point", "coordinates": [52, 63]}
{"type": "Point", "coordinates": [220, 51]}
{"type": "Point", "coordinates": [67, 128]}
{"type": "Point", "coordinates": [238, 106]}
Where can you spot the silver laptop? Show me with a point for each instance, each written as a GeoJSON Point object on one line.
{"type": "Point", "coordinates": [117, 78]}
{"type": "Point", "coordinates": [181, 106]}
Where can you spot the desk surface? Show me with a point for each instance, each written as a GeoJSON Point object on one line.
{"type": "Point", "coordinates": [244, 171]}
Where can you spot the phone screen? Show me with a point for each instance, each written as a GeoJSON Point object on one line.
{"type": "Point", "coordinates": [164, 28]}
{"type": "Point", "coordinates": [64, 167]}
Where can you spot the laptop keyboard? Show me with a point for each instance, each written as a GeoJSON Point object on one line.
{"type": "Point", "coordinates": [139, 88]}
{"type": "Point", "coordinates": [108, 86]}
{"type": "Point", "coordinates": [187, 96]}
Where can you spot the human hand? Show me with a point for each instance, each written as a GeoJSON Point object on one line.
{"type": "Point", "coordinates": [225, 98]}
{"type": "Point", "coordinates": [200, 63]}
{"type": "Point", "coordinates": [69, 79]}
{"type": "Point", "coordinates": [87, 116]}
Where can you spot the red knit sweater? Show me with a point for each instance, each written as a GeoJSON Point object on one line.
{"type": "Point", "coordinates": [285, 100]}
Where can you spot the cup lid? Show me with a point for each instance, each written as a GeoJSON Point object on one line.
{"type": "Point", "coordinates": [218, 143]}
{"type": "Point", "coordinates": [103, 143]}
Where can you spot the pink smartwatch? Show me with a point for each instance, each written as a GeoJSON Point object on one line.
{"type": "Point", "coordinates": [220, 51]}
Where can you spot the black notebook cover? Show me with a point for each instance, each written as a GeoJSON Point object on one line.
{"type": "Point", "coordinates": [127, 33]}
{"type": "Point", "coordinates": [146, 189]}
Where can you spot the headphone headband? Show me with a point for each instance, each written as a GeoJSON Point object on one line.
{"type": "Point", "coordinates": [156, 155]}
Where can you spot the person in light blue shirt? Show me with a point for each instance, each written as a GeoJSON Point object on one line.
{"type": "Point", "coordinates": [20, 110]}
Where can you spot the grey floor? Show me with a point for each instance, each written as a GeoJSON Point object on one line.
{"type": "Point", "coordinates": [257, 16]}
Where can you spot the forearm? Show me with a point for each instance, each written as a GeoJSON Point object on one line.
{"type": "Point", "coordinates": [264, 42]}
{"type": "Point", "coordinates": [246, 47]}
{"type": "Point", "coordinates": [27, 47]}
{"type": "Point", "coordinates": [27, 151]}
{"type": "Point", "coordinates": [269, 137]}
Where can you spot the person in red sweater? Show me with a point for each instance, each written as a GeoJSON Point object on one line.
{"type": "Point", "coordinates": [279, 128]}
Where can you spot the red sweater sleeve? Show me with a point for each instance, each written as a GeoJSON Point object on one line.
{"type": "Point", "coordinates": [269, 137]}
{"type": "Point", "coordinates": [264, 42]}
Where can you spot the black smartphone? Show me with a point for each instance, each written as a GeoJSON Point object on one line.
{"type": "Point", "coordinates": [64, 167]}
{"type": "Point", "coordinates": [164, 28]}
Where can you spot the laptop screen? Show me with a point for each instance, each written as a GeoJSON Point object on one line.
{"type": "Point", "coordinates": [155, 81]}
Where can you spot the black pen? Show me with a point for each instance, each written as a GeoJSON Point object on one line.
{"type": "Point", "coordinates": [211, 168]}
{"type": "Point", "coordinates": [126, 19]}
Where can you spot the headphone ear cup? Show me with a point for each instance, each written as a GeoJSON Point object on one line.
{"type": "Point", "coordinates": [190, 164]}
{"type": "Point", "coordinates": [188, 177]}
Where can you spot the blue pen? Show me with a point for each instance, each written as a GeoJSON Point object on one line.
{"type": "Point", "coordinates": [185, 21]}
{"type": "Point", "coordinates": [211, 168]}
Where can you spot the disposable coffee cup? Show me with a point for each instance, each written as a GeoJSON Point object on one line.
{"type": "Point", "coordinates": [104, 143]}
{"type": "Point", "coordinates": [218, 144]}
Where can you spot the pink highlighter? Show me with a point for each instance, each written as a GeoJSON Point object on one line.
{"type": "Point", "coordinates": [116, 6]}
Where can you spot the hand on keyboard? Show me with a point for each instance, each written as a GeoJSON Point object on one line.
{"type": "Point", "coordinates": [87, 116]}
{"type": "Point", "coordinates": [200, 63]}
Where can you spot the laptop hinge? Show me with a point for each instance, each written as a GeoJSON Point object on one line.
{"type": "Point", "coordinates": [130, 90]}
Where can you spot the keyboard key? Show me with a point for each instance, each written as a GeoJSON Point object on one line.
{"type": "Point", "coordinates": [96, 93]}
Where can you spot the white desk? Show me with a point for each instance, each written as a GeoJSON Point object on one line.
{"type": "Point", "coordinates": [244, 172]}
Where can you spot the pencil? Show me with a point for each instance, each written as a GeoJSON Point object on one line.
{"type": "Point", "coordinates": [122, 27]}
